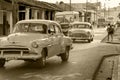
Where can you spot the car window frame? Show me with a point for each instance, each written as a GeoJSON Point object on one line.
{"type": "Point", "coordinates": [51, 24]}
{"type": "Point", "coordinates": [57, 27]}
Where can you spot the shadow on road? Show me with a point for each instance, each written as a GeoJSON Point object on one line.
{"type": "Point", "coordinates": [26, 70]}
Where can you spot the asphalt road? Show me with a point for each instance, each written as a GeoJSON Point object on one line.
{"type": "Point", "coordinates": [82, 64]}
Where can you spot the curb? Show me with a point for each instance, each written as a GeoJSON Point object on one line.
{"type": "Point", "coordinates": [99, 65]}
{"type": "Point", "coordinates": [103, 39]}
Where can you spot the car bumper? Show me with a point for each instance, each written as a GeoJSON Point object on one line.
{"type": "Point", "coordinates": [20, 57]}
{"type": "Point", "coordinates": [18, 54]}
{"type": "Point", "coordinates": [80, 38]}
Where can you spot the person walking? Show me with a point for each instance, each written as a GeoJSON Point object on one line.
{"type": "Point", "coordinates": [110, 31]}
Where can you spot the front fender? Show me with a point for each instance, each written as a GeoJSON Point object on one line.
{"type": "Point", "coordinates": [42, 43]}
{"type": "Point", "coordinates": [67, 42]}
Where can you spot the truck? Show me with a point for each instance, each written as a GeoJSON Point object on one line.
{"type": "Point", "coordinates": [65, 18]}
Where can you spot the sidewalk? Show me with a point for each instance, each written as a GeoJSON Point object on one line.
{"type": "Point", "coordinates": [116, 40]}
{"type": "Point", "coordinates": [116, 37]}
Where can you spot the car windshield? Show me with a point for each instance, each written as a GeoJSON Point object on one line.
{"type": "Point", "coordinates": [30, 27]}
{"type": "Point", "coordinates": [61, 19]}
{"type": "Point", "coordinates": [81, 26]}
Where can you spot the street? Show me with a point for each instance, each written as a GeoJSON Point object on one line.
{"type": "Point", "coordinates": [82, 64]}
{"type": "Point", "coordinates": [33, 45]}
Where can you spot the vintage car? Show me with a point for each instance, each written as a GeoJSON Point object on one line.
{"type": "Point", "coordinates": [81, 31]}
{"type": "Point", "coordinates": [35, 40]}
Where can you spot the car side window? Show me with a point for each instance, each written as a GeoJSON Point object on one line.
{"type": "Point", "coordinates": [52, 29]}
{"type": "Point", "coordinates": [57, 29]}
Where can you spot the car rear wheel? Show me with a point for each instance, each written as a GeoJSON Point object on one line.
{"type": "Point", "coordinates": [2, 62]}
{"type": "Point", "coordinates": [42, 60]}
{"type": "Point", "coordinates": [65, 56]}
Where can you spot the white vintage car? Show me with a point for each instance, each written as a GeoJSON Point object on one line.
{"type": "Point", "coordinates": [81, 31]}
{"type": "Point", "coordinates": [35, 40]}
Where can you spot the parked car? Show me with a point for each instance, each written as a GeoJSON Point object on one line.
{"type": "Point", "coordinates": [35, 40]}
{"type": "Point", "coordinates": [81, 31]}
{"type": "Point", "coordinates": [65, 27]}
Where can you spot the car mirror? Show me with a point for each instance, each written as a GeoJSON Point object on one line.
{"type": "Point", "coordinates": [91, 27]}
{"type": "Point", "coordinates": [49, 31]}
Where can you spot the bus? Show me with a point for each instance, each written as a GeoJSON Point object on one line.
{"type": "Point", "coordinates": [67, 16]}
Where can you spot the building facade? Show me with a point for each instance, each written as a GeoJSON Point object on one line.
{"type": "Point", "coordinates": [12, 11]}
{"type": "Point", "coordinates": [88, 11]}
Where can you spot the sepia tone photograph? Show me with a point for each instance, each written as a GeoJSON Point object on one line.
{"type": "Point", "coordinates": [59, 40]}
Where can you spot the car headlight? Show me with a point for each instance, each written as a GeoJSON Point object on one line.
{"type": "Point", "coordinates": [34, 45]}
{"type": "Point", "coordinates": [88, 33]}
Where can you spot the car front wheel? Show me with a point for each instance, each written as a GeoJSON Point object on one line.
{"type": "Point", "coordinates": [92, 39]}
{"type": "Point", "coordinates": [2, 62]}
{"type": "Point", "coordinates": [42, 61]}
{"type": "Point", "coordinates": [65, 56]}
{"type": "Point", "coordinates": [89, 40]}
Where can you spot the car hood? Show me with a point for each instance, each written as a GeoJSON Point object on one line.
{"type": "Point", "coordinates": [80, 30]}
{"type": "Point", "coordinates": [23, 39]}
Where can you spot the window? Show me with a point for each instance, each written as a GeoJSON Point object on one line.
{"type": "Point", "coordinates": [57, 29]}
{"type": "Point", "coordinates": [52, 29]}
{"type": "Point", "coordinates": [31, 27]}
{"type": "Point", "coordinates": [84, 26]}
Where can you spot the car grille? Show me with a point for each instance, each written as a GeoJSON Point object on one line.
{"type": "Point", "coordinates": [14, 51]}
{"type": "Point", "coordinates": [78, 35]}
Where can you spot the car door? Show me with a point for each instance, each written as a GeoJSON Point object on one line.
{"type": "Point", "coordinates": [52, 48]}
{"type": "Point", "coordinates": [59, 38]}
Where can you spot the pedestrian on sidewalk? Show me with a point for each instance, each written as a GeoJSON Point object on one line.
{"type": "Point", "coordinates": [110, 31]}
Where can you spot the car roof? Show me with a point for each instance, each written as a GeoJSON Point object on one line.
{"type": "Point", "coordinates": [38, 21]}
{"type": "Point", "coordinates": [81, 23]}
{"type": "Point", "coordinates": [64, 23]}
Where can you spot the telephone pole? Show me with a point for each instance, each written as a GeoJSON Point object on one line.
{"type": "Point", "coordinates": [14, 12]}
{"type": "Point", "coordinates": [70, 5]}
{"type": "Point", "coordinates": [86, 11]}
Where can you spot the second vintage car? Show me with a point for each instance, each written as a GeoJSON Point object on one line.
{"type": "Point", "coordinates": [81, 31]}
{"type": "Point", "coordinates": [35, 40]}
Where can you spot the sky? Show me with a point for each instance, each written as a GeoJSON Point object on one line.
{"type": "Point", "coordinates": [106, 3]}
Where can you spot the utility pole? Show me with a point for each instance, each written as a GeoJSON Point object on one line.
{"type": "Point", "coordinates": [13, 12]}
{"type": "Point", "coordinates": [97, 12]}
{"type": "Point", "coordinates": [104, 10]}
{"type": "Point", "coordinates": [70, 5]}
{"type": "Point", "coordinates": [86, 4]}
{"type": "Point", "coordinates": [86, 10]}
